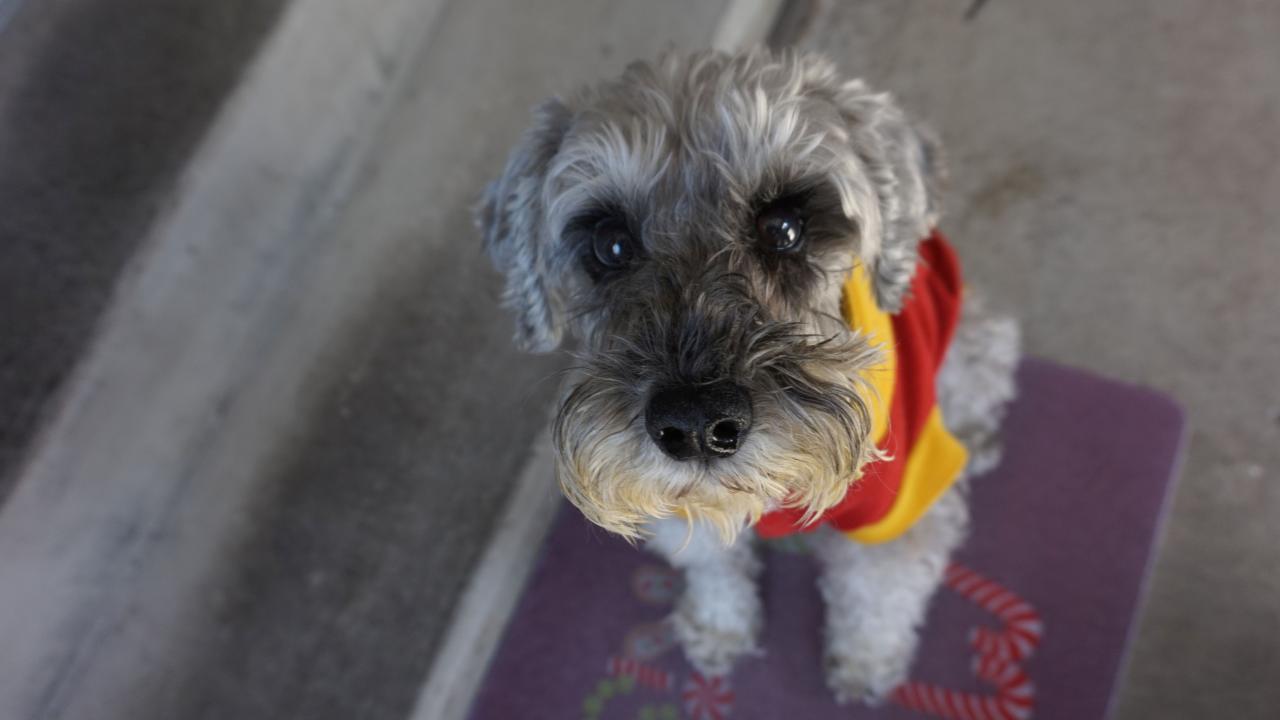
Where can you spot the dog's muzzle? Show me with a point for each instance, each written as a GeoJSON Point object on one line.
{"type": "Point", "coordinates": [699, 421]}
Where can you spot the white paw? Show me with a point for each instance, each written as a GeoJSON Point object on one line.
{"type": "Point", "coordinates": [716, 634]}
{"type": "Point", "coordinates": [865, 673]}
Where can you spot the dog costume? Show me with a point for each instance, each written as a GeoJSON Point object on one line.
{"type": "Point", "coordinates": [921, 457]}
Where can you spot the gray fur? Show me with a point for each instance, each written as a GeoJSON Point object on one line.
{"type": "Point", "coordinates": [512, 220]}
{"type": "Point", "coordinates": [685, 151]}
{"type": "Point", "coordinates": [686, 142]}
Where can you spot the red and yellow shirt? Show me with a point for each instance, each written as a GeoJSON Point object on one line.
{"type": "Point", "coordinates": [922, 459]}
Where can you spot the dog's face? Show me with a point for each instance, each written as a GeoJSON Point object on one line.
{"type": "Point", "coordinates": [692, 224]}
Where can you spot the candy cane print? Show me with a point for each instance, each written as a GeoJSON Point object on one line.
{"type": "Point", "coordinates": [646, 675]}
{"type": "Point", "coordinates": [953, 704]}
{"type": "Point", "coordinates": [997, 658]}
{"type": "Point", "coordinates": [707, 698]}
{"type": "Point", "coordinates": [1022, 625]}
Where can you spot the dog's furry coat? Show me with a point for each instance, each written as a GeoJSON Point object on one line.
{"type": "Point", "coordinates": [629, 217]}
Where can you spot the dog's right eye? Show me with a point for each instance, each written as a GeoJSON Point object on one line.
{"type": "Point", "coordinates": [612, 244]}
{"type": "Point", "coordinates": [780, 228]}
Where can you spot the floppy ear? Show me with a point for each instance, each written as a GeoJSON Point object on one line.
{"type": "Point", "coordinates": [906, 169]}
{"type": "Point", "coordinates": [510, 217]}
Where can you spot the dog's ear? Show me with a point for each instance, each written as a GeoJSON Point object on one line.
{"type": "Point", "coordinates": [904, 163]}
{"type": "Point", "coordinates": [511, 219]}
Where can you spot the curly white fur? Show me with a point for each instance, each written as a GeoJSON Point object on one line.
{"type": "Point", "coordinates": [718, 618]}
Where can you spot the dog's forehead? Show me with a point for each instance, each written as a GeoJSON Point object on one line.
{"type": "Point", "coordinates": [704, 132]}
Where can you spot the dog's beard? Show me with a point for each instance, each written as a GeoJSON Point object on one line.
{"type": "Point", "coordinates": [808, 442]}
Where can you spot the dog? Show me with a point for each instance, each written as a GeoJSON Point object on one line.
{"type": "Point", "coordinates": [739, 245]}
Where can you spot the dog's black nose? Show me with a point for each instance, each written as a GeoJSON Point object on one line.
{"type": "Point", "coordinates": [699, 420]}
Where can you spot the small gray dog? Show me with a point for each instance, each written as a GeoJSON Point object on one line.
{"type": "Point", "coordinates": [736, 243]}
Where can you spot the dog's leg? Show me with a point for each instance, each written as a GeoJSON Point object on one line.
{"type": "Point", "coordinates": [876, 597]}
{"type": "Point", "coordinates": [718, 618]}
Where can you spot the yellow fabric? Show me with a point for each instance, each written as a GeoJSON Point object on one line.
{"type": "Point", "coordinates": [861, 311]}
{"type": "Point", "coordinates": [936, 459]}
{"type": "Point", "coordinates": [933, 465]}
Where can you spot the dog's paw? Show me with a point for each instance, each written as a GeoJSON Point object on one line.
{"type": "Point", "coordinates": [716, 634]}
{"type": "Point", "coordinates": [864, 673]}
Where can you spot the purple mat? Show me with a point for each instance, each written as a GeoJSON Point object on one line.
{"type": "Point", "coordinates": [1035, 620]}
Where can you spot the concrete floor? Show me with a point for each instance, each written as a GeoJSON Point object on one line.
{"type": "Point", "coordinates": [101, 103]}
{"type": "Point", "coordinates": [1116, 183]}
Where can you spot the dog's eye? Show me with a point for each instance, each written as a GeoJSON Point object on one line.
{"type": "Point", "coordinates": [780, 228]}
{"type": "Point", "coordinates": [612, 244]}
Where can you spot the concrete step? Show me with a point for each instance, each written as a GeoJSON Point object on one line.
{"type": "Point", "coordinates": [102, 103]}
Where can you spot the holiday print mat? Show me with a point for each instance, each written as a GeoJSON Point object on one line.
{"type": "Point", "coordinates": [1033, 621]}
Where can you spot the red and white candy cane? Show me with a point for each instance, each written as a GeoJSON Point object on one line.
{"type": "Point", "coordinates": [1022, 626]}
{"type": "Point", "coordinates": [707, 698]}
{"type": "Point", "coordinates": [998, 654]}
{"type": "Point", "coordinates": [643, 674]}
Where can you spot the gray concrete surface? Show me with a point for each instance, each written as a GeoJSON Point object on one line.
{"type": "Point", "coordinates": [101, 104]}
{"type": "Point", "coordinates": [198, 373]}
{"type": "Point", "coordinates": [1116, 182]}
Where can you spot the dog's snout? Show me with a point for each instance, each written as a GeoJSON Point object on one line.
{"type": "Point", "coordinates": [706, 421]}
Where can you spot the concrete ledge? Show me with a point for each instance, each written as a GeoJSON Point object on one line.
{"type": "Point", "coordinates": [102, 105]}
{"type": "Point", "coordinates": [199, 369]}
{"type": "Point", "coordinates": [492, 591]}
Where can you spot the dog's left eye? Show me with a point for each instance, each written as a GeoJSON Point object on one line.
{"type": "Point", "coordinates": [780, 228]}
{"type": "Point", "coordinates": [612, 245]}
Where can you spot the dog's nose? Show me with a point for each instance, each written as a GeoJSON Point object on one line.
{"type": "Point", "coordinates": [699, 420]}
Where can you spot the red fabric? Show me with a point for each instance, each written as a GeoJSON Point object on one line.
{"type": "Point", "coordinates": [922, 331]}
